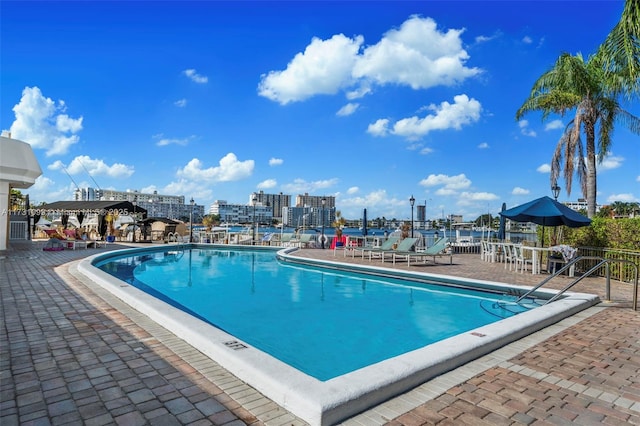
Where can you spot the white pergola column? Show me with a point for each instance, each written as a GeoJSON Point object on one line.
{"type": "Point", "coordinates": [4, 214]}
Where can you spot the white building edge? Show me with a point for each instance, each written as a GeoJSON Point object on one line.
{"type": "Point", "coordinates": [19, 169]}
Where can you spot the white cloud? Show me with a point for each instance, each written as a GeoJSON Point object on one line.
{"type": "Point", "coordinates": [43, 124]}
{"type": "Point", "coordinates": [625, 198]}
{"type": "Point", "coordinates": [483, 39]}
{"type": "Point", "coordinates": [84, 164]}
{"type": "Point", "coordinates": [525, 130]}
{"type": "Point", "coordinates": [377, 203]}
{"type": "Point", "coordinates": [638, 178]}
{"type": "Point", "coordinates": [323, 68]}
{"type": "Point", "coordinates": [527, 40]}
{"type": "Point", "coordinates": [299, 186]}
{"type": "Point", "coordinates": [610, 162]}
{"type": "Point", "coordinates": [276, 161]}
{"type": "Point", "coordinates": [162, 141]}
{"type": "Point", "coordinates": [544, 168]}
{"type": "Point", "coordinates": [195, 77]}
{"type": "Point", "coordinates": [229, 169]}
{"type": "Point", "coordinates": [463, 111]}
{"type": "Point", "coordinates": [519, 191]}
{"type": "Point", "coordinates": [149, 189]}
{"type": "Point", "coordinates": [348, 109]}
{"type": "Point", "coordinates": [470, 198]}
{"type": "Point", "coordinates": [553, 125]}
{"type": "Point", "coordinates": [43, 191]}
{"type": "Point", "coordinates": [353, 190]}
{"type": "Point", "coordinates": [379, 128]}
{"type": "Point", "coordinates": [267, 184]}
{"type": "Point", "coordinates": [448, 183]}
{"type": "Point", "coordinates": [483, 145]}
{"type": "Point", "coordinates": [191, 189]}
{"type": "Point", "coordinates": [417, 55]}
{"type": "Point", "coordinates": [359, 92]}
{"type": "Point", "coordinates": [426, 151]}
{"type": "Point", "coordinates": [180, 103]}
{"type": "Point", "coordinates": [446, 191]}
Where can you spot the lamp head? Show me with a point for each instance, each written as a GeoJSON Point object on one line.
{"type": "Point", "coordinates": [412, 201]}
{"type": "Point", "coordinates": [555, 189]}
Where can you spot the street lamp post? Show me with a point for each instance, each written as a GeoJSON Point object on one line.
{"type": "Point", "coordinates": [412, 201]}
{"type": "Point", "coordinates": [254, 200]}
{"type": "Point", "coordinates": [555, 189]}
{"type": "Point", "coordinates": [322, 237]}
{"type": "Point", "coordinates": [191, 221]}
{"type": "Point", "coordinates": [133, 238]}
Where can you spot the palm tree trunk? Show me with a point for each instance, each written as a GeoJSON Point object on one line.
{"type": "Point", "coordinates": [591, 175]}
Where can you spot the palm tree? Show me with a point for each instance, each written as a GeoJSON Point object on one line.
{"type": "Point", "coordinates": [620, 52]}
{"type": "Point", "coordinates": [573, 85]}
{"type": "Point", "coordinates": [624, 209]}
{"type": "Point", "coordinates": [210, 220]}
{"type": "Point", "coordinates": [339, 223]}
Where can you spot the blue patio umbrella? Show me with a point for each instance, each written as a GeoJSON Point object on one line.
{"type": "Point", "coordinates": [546, 212]}
{"type": "Point", "coordinates": [501, 229]}
{"type": "Point", "coordinates": [364, 223]}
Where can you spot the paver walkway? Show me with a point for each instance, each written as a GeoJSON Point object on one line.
{"type": "Point", "coordinates": [71, 356]}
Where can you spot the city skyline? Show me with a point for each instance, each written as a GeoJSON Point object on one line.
{"type": "Point", "coordinates": [368, 102]}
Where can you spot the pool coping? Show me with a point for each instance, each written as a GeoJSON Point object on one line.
{"type": "Point", "coordinates": [324, 403]}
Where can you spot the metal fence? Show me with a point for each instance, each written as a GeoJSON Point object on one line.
{"type": "Point", "coordinates": [620, 271]}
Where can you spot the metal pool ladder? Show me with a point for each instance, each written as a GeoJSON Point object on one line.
{"type": "Point", "coordinates": [602, 262]}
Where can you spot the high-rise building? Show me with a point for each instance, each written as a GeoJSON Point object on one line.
{"type": "Point", "coordinates": [315, 201]}
{"type": "Point", "coordinates": [308, 217]}
{"type": "Point", "coordinates": [241, 213]}
{"type": "Point", "coordinates": [156, 205]}
{"type": "Point", "coordinates": [273, 201]}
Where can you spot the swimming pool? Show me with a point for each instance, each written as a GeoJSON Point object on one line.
{"type": "Point", "coordinates": [326, 395]}
{"type": "Point", "coordinates": [324, 322]}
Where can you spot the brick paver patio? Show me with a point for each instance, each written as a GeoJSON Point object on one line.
{"type": "Point", "coordinates": [72, 355]}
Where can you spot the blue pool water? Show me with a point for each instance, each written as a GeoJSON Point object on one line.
{"type": "Point", "coordinates": [323, 322]}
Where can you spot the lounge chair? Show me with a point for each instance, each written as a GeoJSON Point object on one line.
{"type": "Point", "coordinates": [387, 245]}
{"type": "Point", "coordinates": [285, 240]}
{"type": "Point", "coordinates": [437, 249]}
{"type": "Point", "coordinates": [404, 246]}
{"type": "Point", "coordinates": [304, 240]}
{"type": "Point", "coordinates": [71, 241]}
{"type": "Point", "coordinates": [67, 238]}
{"type": "Point", "coordinates": [95, 243]}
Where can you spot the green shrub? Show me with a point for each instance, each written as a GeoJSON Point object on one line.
{"type": "Point", "coordinates": [607, 233]}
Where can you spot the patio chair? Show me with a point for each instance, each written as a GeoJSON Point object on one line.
{"type": "Point", "coordinates": [343, 243]}
{"type": "Point", "coordinates": [520, 259]}
{"type": "Point", "coordinates": [508, 255]}
{"type": "Point", "coordinates": [387, 245]}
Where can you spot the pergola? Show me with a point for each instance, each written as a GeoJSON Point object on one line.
{"type": "Point", "coordinates": [81, 209]}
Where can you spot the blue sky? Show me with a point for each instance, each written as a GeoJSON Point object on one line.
{"type": "Point", "coordinates": [371, 102]}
